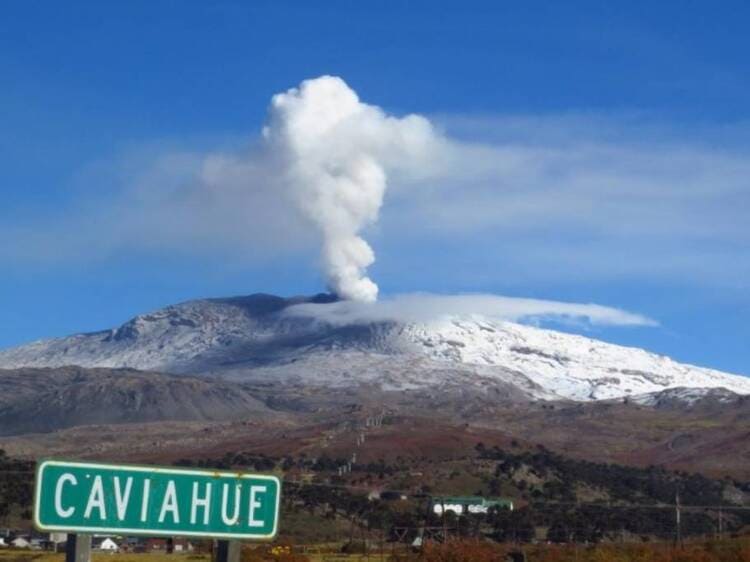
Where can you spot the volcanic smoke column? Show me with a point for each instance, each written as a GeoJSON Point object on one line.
{"type": "Point", "coordinates": [336, 153]}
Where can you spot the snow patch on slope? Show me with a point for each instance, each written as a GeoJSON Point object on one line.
{"type": "Point", "coordinates": [572, 366]}
{"type": "Point", "coordinates": [686, 396]}
{"type": "Point", "coordinates": [250, 338]}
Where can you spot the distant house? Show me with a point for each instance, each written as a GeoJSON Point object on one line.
{"type": "Point", "coordinates": [182, 545]}
{"type": "Point", "coordinates": [58, 537]}
{"type": "Point", "coordinates": [20, 542]}
{"type": "Point", "coordinates": [133, 544]}
{"type": "Point", "coordinates": [160, 545]}
{"type": "Point", "coordinates": [462, 505]}
{"type": "Point", "coordinates": [3, 544]}
{"type": "Point", "coordinates": [105, 544]}
{"type": "Point", "coordinates": [56, 542]}
{"type": "Point", "coordinates": [155, 545]}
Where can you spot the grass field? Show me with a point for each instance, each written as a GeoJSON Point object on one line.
{"type": "Point", "coordinates": [727, 550]}
{"type": "Point", "coordinates": [13, 555]}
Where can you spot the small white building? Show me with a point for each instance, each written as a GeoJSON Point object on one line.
{"type": "Point", "coordinates": [58, 537]}
{"type": "Point", "coordinates": [20, 542]}
{"type": "Point", "coordinates": [182, 545]}
{"type": "Point", "coordinates": [2, 542]}
{"type": "Point", "coordinates": [461, 505]}
{"type": "Point", "coordinates": [108, 545]}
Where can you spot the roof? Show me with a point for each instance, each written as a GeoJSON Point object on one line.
{"type": "Point", "coordinates": [471, 500]}
{"type": "Point", "coordinates": [20, 540]}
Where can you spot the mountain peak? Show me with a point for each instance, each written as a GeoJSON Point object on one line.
{"type": "Point", "coordinates": [256, 338]}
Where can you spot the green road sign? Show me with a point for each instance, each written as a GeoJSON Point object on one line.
{"type": "Point", "coordinates": [79, 497]}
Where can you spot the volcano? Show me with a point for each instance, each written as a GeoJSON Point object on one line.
{"type": "Point", "coordinates": [260, 339]}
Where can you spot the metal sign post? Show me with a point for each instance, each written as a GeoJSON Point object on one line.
{"type": "Point", "coordinates": [78, 548]}
{"type": "Point", "coordinates": [228, 551]}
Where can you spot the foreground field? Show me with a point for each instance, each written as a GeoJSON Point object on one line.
{"type": "Point", "coordinates": [732, 550]}
{"type": "Point", "coordinates": [14, 555]}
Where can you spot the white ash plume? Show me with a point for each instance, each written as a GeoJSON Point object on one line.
{"type": "Point", "coordinates": [336, 155]}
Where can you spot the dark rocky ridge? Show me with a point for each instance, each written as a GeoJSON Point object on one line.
{"type": "Point", "coordinates": [41, 400]}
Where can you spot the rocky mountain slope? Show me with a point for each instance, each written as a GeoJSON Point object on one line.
{"type": "Point", "coordinates": [260, 338]}
{"type": "Point", "coordinates": [39, 400]}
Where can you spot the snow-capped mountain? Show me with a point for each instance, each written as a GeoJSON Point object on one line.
{"type": "Point", "coordinates": [681, 397]}
{"type": "Point", "coordinates": [258, 338]}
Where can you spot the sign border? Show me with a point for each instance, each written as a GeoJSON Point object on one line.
{"type": "Point", "coordinates": [160, 469]}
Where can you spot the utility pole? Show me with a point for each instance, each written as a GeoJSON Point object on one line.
{"type": "Point", "coordinates": [445, 526]}
{"type": "Point", "coordinates": [678, 519]}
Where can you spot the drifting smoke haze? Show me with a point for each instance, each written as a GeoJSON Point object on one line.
{"type": "Point", "coordinates": [422, 307]}
{"type": "Point", "coordinates": [553, 201]}
{"type": "Point", "coordinates": [336, 153]}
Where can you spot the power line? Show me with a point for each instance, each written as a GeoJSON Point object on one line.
{"type": "Point", "coordinates": [535, 504]}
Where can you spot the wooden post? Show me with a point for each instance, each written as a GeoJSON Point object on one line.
{"type": "Point", "coordinates": [78, 548]}
{"type": "Point", "coordinates": [228, 551]}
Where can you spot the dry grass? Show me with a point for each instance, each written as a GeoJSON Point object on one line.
{"type": "Point", "coordinates": [18, 555]}
{"type": "Point", "coordinates": [459, 551]}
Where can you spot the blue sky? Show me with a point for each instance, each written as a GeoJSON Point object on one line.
{"type": "Point", "coordinates": [637, 115]}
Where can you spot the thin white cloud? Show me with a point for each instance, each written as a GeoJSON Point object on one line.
{"type": "Point", "coordinates": [523, 199]}
{"type": "Point", "coordinates": [423, 307]}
